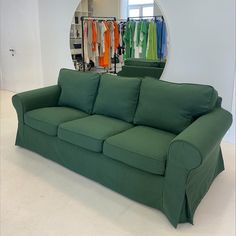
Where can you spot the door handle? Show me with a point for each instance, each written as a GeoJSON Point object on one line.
{"type": "Point", "coordinates": [12, 51]}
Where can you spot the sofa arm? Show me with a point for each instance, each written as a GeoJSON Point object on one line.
{"type": "Point", "coordinates": [193, 162]}
{"type": "Point", "coordinates": [38, 98]}
{"type": "Point", "coordinates": [191, 147]}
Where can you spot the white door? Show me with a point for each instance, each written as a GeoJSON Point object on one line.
{"type": "Point", "coordinates": [20, 54]}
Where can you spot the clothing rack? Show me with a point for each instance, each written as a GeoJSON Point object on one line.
{"type": "Point", "coordinates": [143, 17]}
{"type": "Point", "coordinates": [147, 17]}
{"type": "Point", "coordinates": [82, 18]}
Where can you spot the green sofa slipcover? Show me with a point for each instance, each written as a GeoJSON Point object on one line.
{"type": "Point", "coordinates": [153, 141]}
{"type": "Point", "coordinates": [144, 62]}
{"type": "Point", "coordinates": [138, 67]}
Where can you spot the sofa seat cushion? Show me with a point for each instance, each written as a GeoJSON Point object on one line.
{"type": "Point", "coordinates": [90, 132]}
{"type": "Point", "coordinates": [142, 147]}
{"type": "Point", "coordinates": [48, 119]}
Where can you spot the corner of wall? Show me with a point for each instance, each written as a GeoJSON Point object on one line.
{"type": "Point", "coordinates": [39, 43]}
{"type": "Point", "coordinates": [230, 137]}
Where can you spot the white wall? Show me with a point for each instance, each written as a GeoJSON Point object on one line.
{"type": "Point", "coordinates": [202, 44]}
{"type": "Point", "coordinates": [157, 11]}
{"type": "Point", "coordinates": [231, 135]}
{"type": "Point", "coordinates": [55, 18]}
{"type": "Point", "coordinates": [19, 29]}
{"type": "Point", "coordinates": [106, 8]}
{"type": "Point", "coordinates": [123, 9]}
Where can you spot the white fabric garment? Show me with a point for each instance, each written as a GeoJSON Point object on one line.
{"type": "Point", "coordinates": [120, 38]}
{"type": "Point", "coordinates": [112, 37]}
{"type": "Point", "coordinates": [103, 29]}
{"type": "Point", "coordinates": [136, 47]}
{"type": "Point", "coordinates": [86, 57]}
{"type": "Point", "coordinates": [99, 40]}
{"type": "Point", "coordinates": [140, 42]}
{"type": "Point", "coordinates": [90, 39]}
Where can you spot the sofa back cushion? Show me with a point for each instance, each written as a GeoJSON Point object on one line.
{"type": "Point", "coordinates": [173, 107]}
{"type": "Point", "coordinates": [78, 89]}
{"type": "Point", "coordinates": [140, 62]}
{"type": "Point", "coordinates": [117, 97]}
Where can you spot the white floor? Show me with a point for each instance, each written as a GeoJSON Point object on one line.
{"type": "Point", "coordinates": [41, 198]}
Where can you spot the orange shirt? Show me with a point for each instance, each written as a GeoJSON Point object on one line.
{"type": "Point", "coordinates": [94, 36]}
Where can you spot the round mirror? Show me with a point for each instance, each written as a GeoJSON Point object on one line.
{"type": "Point", "coordinates": [125, 37]}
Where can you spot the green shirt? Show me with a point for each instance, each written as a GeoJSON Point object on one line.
{"type": "Point", "coordinates": [129, 39]}
{"type": "Point", "coordinates": [143, 38]}
{"type": "Point", "coordinates": [132, 30]}
{"type": "Point", "coordinates": [138, 33]}
{"type": "Point", "coordinates": [152, 42]}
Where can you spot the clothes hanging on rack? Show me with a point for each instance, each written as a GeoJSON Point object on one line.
{"type": "Point", "coordinates": [137, 39]}
{"type": "Point", "coordinates": [145, 38]}
{"type": "Point", "coordinates": [151, 52]}
{"type": "Point", "coordinates": [132, 31]}
{"type": "Point", "coordinates": [86, 55]}
{"type": "Point", "coordinates": [105, 42]}
{"type": "Point", "coordinates": [94, 36]}
{"type": "Point", "coordinates": [116, 36]}
{"type": "Point", "coordinates": [90, 39]}
{"type": "Point", "coordinates": [127, 41]}
{"type": "Point", "coordinates": [104, 57]}
{"type": "Point", "coordinates": [103, 29]}
{"type": "Point", "coordinates": [161, 38]}
{"type": "Point", "coordinates": [122, 29]}
{"type": "Point", "coordinates": [113, 47]}
{"type": "Point", "coordinates": [121, 47]}
{"type": "Point", "coordinates": [100, 41]}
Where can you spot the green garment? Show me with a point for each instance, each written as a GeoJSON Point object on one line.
{"type": "Point", "coordinates": [126, 38]}
{"type": "Point", "coordinates": [129, 39]}
{"type": "Point", "coordinates": [132, 30]}
{"type": "Point", "coordinates": [143, 38]}
{"type": "Point", "coordinates": [138, 33]}
{"type": "Point", "coordinates": [152, 42]}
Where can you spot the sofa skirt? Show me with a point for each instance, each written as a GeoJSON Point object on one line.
{"type": "Point", "coordinates": [143, 187]}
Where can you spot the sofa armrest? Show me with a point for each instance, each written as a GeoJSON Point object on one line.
{"type": "Point", "coordinates": [38, 98]}
{"type": "Point", "coordinates": [191, 147]}
{"type": "Point", "coordinates": [192, 164]}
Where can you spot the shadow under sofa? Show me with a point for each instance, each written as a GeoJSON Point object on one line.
{"type": "Point", "coordinates": [153, 141]}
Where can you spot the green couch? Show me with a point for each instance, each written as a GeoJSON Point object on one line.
{"type": "Point", "coordinates": [153, 141]}
{"type": "Point", "coordinates": [138, 67]}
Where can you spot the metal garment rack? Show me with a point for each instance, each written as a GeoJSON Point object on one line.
{"type": "Point", "coordinates": [144, 17]}
{"type": "Point", "coordinates": [147, 18]}
{"type": "Point", "coordinates": [82, 18]}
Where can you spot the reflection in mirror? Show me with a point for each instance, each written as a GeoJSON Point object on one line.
{"type": "Point", "coordinates": [136, 45]}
